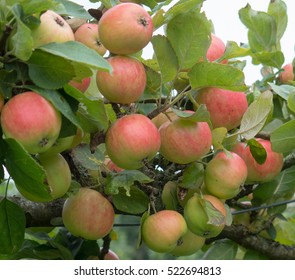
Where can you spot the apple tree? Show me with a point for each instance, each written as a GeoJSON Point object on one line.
{"type": "Point", "coordinates": [91, 128]}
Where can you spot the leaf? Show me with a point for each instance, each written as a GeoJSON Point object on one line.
{"type": "Point", "coordinates": [200, 115]}
{"type": "Point", "coordinates": [232, 50]}
{"type": "Point", "coordinates": [193, 176]}
{"type": "Point", "coordinates": [189, 35]}
{"type": "Point", "coordinates": [282, 90]}
{"type": "Point", "coordinates": [134, 204]}
{"type": "Point", "coordinates": [254, 255]}
{"type": "Point", "coordinates": [257, 151]}
{"type": "Point", "coordinates": [7, 82]}
{"type": "Point", "coordinates": [218, 136]}
{"type": "Point", "coordinates": [283, 138]}
{"type": "Point", "coordinates": [12, 227]}
{"type": "Point", "coordinates": [215, 217]}
{"type": "Point", "coordinates": [166, 58]}
{"type": "Point", "coordinates": [291, 101]}
{"type": "Point", "coordinates": [206, 74]}
{"type": "Point", "coordinates": [273, 59]}
{"type": "Point", "coordinates": [124, 179]}
{"type": "Point", "coordinates": [73, 9]}
{"type": "Point", "coordinates": [222, 250]}
{"type": "Point", "coordinates": [256, 116]}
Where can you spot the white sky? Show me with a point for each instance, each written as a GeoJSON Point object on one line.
{"type": "Point", "coordinates": [224, 15]}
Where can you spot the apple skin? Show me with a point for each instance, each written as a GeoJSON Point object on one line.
{"type": "Point", "coordinates": [184, 141]}
{"type": "Point", "coordinates": [132, 139]}
{"type": "Point", "coordinates": [58, 177]}
{"type": "Point", "coordinates": [197, 219]}
{"type": "Point", "coordinates": [225, 174]}
{"type": "Point", "coordinates": [88, 35]}
{"type": "Point", "coordinates": [226, 107]}
{"type": "Point", "coordinates": [82, 85]}
{"type": "Point", "coordinates": [190, 243]}
{"type": "Point", "coordinates": [216, 49]}
{"type": "Point", "coordinates": [31, 120]}
{"type": "Point", "coordinates": [126, 83]}
{"type": "Point", "coordinates": [287, 76]}
{"type": "Point", "coordinates": [125, 28]}
{"type": "Point", "coordinates": [88, 214]}
{"type": "Point", "coordinates": [260, 172]}
{"type": "Point", "coordinates": [52, 28]}
{"type": "Point", "coordinates": [162, 231]}
{"type": "Point", "coordinates": [110, 255]}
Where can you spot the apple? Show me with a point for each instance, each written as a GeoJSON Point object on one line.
{"type": "Point", "coordinates": [125, 28]}
{"type": "Point", "coordinates": [163, 117]}
{"type": "Point", "coordinates": [88, 214]}
{"type": "Point", "coordinates": [88, 35]}
{"type": "Point", "coordinates": [58, 177]}
{"type": "Point", "coordinates": [162, 231]}
{"type": "Point", "coordinates": [216, 49]}
{"type": "Point", "coordinates": [81, 85]}
{"type": "Point", "coordinates": [110, 165]}
{"type": "Point", "coordinates": [190, 243]}
{"type": "Point", "coordinates": [131, 140]}
{"type": "Point", "coordinates": [224, 175]}
{"type": "Point", "coordinates": [287, 75]}
{"type": "Point", "coordinates": [31, 120]}
{"type": "Point", "coordinates": [52, 28]}
{"type": "Point", "coordinates": [197, 213]}
{"type": "Point", "coordinates": [110, 255]}
{"type": "Point", "coordinates": [126, 83]}
{"type": "Point", "coordinates": [260, 172]}
{"type": "Point", "coordinates": [184, 141]}
{"type": "Point", "coordinates": [226, 107]}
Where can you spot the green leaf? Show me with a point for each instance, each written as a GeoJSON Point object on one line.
{"type": "Point", "coordinates": [215, 217]}
{"type": "Point", "coordinates": [283, 138]}
{"type": "Point", "coordinates": [257, 151]}
{"type": "Point", "coordinates": [273, 59]}
{"type": "Point", "coordinates": [285, 231]}
{"type": "Point", "coordinates": [12, 227]}
{"type": "Point", "coordinates": [135, 203]}
{"type": "Point", "coordinates": [254, 255]}
{"type": "Point", "coordinates": [232, 50]}
{"type": "Point", "coordinates": [218, 136]}
{"type": "Point", "coordinates": [124, 179]}
{"type": "Point", "coordinates": [38, 6]}
{"type": "Point", "coordinates": [282, 90]}
{"type": "Point", "coordinates": [256, 116]}
{"type": "Point", "coordinates": [222, 250]}
{"type": "Point", "coordinates": [166, 58]}
{"type": "Point", "coordinates": [189, 35]}
{"type": "Point", "coordinates": [73, 9]}
{"type": "Point", "coordinates": [206, 74]}
{"type": "Point", "coordinates": [7, 82]}
{"type": "Point", "coordinates": [153, 84]}
{"type": "Point", "coordinates": [291, 101]}
{"type": "Point", "coordinates": [193, 176]}
{"type": "Point", "coordinates": [200, 115]}
{"type": "Point", "coordinates": [27, 174]}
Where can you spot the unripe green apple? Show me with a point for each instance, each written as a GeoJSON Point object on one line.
{"type": "Point", "coordinates": [205, 216]}
{"type": "Point", "coordinates": [52, 28]}
{"type": "Point", "coordinates": [260, 172]}
{"type": "Point", "coordinates": [58, 177]}
{"type": "Point", "coordinates": [131, 140]}
{"type": "Point", "coordinates": [125, 28]}
{"type": "Point", "coordinates": [225, 174]}
{"type": "Point", "coordinates": [31, 120]}
{"type": "Point", "coordinates": [184, 141]}
{"type": "Point", "coordinates": [226, 107]}
{"type": "Point", "coordinates": [126, 83]}
{"type": "Point", "coordinates": [163, 230]}
{"type": "Point", "coordinates": [287, 76]}
{"type": "Point", "coordinates": [88, 214]}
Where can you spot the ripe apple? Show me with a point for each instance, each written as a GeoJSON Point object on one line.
{"type": "Point", "coordinates": [126, 83]}
{"type": "Point", "coordinates": [190, 243]}
{"type": "Point", "coordinates": [287, 75]}
{"type": "Point", "coordinates": [226, 107]}
{"type": "Point", "coordinates": [52, 28]}
{"type": "Point", "coordinates": [197, 214]}
{"type": "Point", "coordinates": [224, 175]}
{"type": "Point", "coordinates": [260, 172]}
{"type": "Point", "coordinates": [125, 28]}
{"type": "Point", "coordinates": [81, 85]}
{"type": "Point", "coordinates": [112, 166]}
{"type": "Point", "coordinates": [162, 231]}
{"type": "Point", "coordinates": [31, 120]}
{"type": "Point", "coordinates": [216, 49]}
{"type": "Point", "coordinates": [131, 140]}
{"type": "Point", "coordinates": [184, 141]}
{"type": "Point", "coordinates": [58, 177]}
{"type": "Point", "coordinates": [88, 214]}
{"type": "Point", "coordinates": [88, 35]}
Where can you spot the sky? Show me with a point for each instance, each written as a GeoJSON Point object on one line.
{"type": "Point", "coordinates": [228, 27]}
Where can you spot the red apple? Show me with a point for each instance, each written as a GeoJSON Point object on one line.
{"type": "Point", "coordinates": [58, 177]}
{"type": "Point", "coordinates": [52, 28]}
{"type": "Point", "coordinates": [31, 120]}
{"type": "Point", "coordinates": [112, 166]}
{"type": "Point", "coordinates": [125, 28]}
{"type": "Point", "coordinates": [81, 85]}
{"type": "Point", "coordinates": [260, 172]}
{"type": "Point", "coordinates": [87, 34]}
{"type": "Point", "coordinates": [216, 48]}
{"type": "Point", "coordinates": [88, 214]}
{"type": "Point", "coordinates": [287, 75]}
{"type": "Point", "coordinates": [226, 107]}
{"type": "Point", "coordinates": [126, 83]}
{"type": "Point", "coordinates": [162, 231]}
{"type": "Point", "coordinates": [131, 140]}
{"type": "Point", "coordinates": [184, 141]}
{"type": "Point", "coordinates": [224, 175]}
